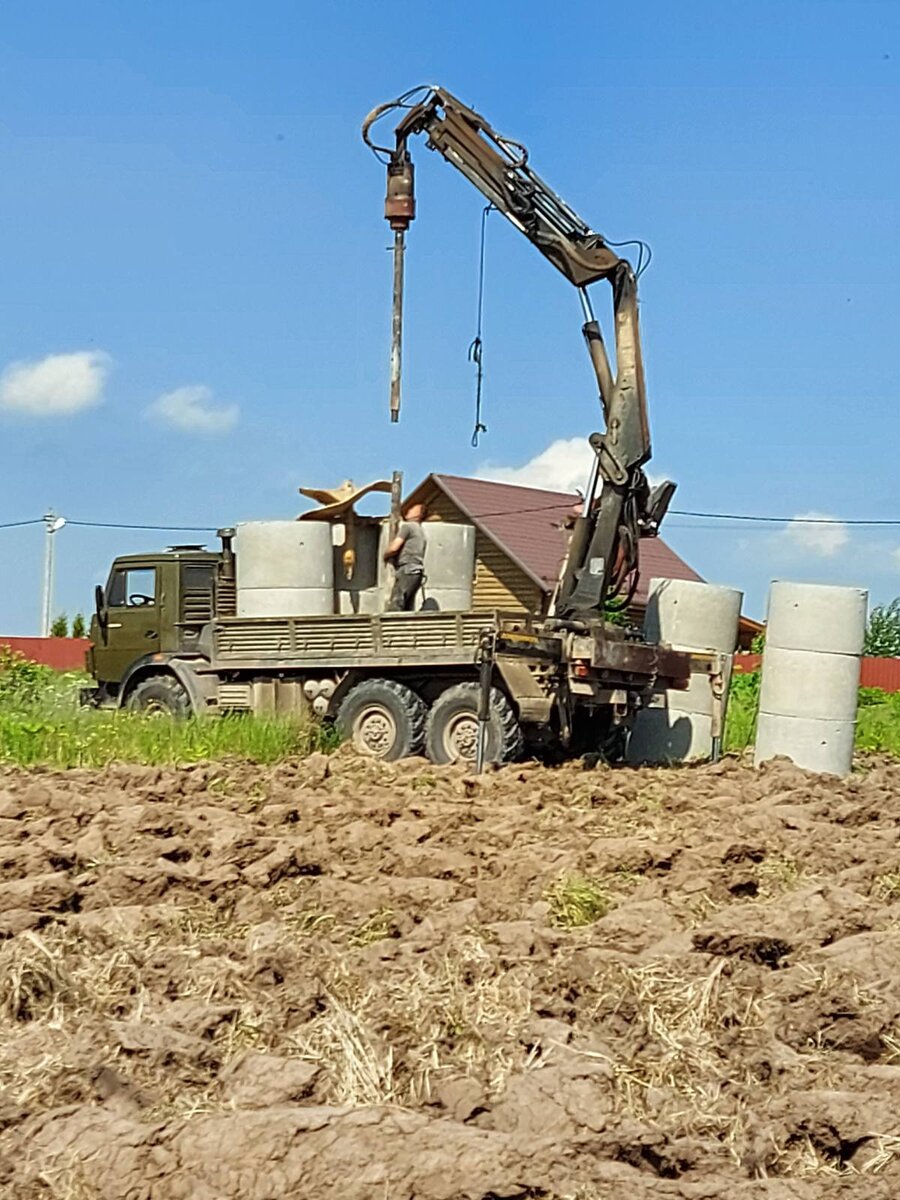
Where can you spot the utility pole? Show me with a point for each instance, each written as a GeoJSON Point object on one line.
{"type": "Point", "coordinates": [52, 525]}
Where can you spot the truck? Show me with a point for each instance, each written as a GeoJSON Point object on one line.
{"type": "Point", "coordinates": [166, 640]}
{"type": "Point", "coordinates": [454, 685]}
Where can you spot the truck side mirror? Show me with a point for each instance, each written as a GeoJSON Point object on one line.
{"type": "Point", "coordinates": [102, 615]}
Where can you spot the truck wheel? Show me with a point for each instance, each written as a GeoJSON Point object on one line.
{"type": "Point", "coordinates": [452, 731]}
{"type": "Point", "coordinates": [383, 718]}
{"type": "Point", "coordinates": [159, 695]}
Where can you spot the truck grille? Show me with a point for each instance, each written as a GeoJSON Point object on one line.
{"type": "Point", "coordinates": [226, 597]}
{"type": "Point", "coordinates": [196, 606]}
{"type": "Point", "coordinates": [235, 696]}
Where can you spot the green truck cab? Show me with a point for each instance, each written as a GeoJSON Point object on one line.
{"type": "Point", "coordinates": [148, 620]}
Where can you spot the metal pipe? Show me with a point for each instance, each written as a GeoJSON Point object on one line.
{"type": "Point", "coordinates": [591, 488]}
{"type": "Point", "coordinates": [485, 675]}
{"type": "Point", "coordinates": [48, 574]}
{"type": "Point", "coordinates": [396, 503]}
{"type": "Point", "coordinates": [720, 682]}
{"type": "Point", "coordinates": [52, 526]}
{"type": "Point", "coordinates": [397, 324]}
{"type": "Point", "coordinates": [596, 348]}
{"type": "Point", "coordinates": [600, 362]}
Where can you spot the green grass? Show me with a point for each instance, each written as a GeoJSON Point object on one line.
{"type": "Point", "coordinates": [878, 725]}
{"type": "Point", "coordinates": [93, 739]}
{"type": "Point", "coordinates": [41, 724]}
{"type": "Point", "coordinates": [577, 900]}
{"type": "Point", "coordinates": [743, 705]}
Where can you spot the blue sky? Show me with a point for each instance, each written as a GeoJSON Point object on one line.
{"type": "Point", "coordinates": [191, 222]}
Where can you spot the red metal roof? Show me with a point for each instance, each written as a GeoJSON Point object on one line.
{"type": "Point", "coordinates": [527, 524]}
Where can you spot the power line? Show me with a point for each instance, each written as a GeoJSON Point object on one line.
{"type": "Point", "coordinates": [157, 528]}
{"type": "Point", "coordinates": [563, 506]}
{"type": "Point", "coordinates": [559, 506]}
{"type": "Point", "coordinates": [116, 525]}
{"type": "Point", "coordinates": [779, 520]}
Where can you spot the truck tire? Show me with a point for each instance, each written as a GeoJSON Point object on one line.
{"type": "Point", "coordinates": [384, 719]}
{"type": "Point", "coordinates": [452, 731]}
{"type": "Point", "coordinates": [159, 695]}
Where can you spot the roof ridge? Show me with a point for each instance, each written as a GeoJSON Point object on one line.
{"type": "Point", "coordinates": [500, 483]}
{"type": "Point", "coordinates": [530, 534]}
{"type": "Point", "coordinates": [489, 533]}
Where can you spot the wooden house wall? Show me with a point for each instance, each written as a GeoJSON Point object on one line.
{"type": "Point", "coordinates": [499, 582]}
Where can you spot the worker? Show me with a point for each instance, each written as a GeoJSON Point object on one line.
{"type": "Point", "coordinates": [407, 554]}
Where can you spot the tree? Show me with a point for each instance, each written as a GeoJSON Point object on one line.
{"type": "Point", "coordinates": [79, 628]}
{"type": "Point", "coordinates": [60, 626]}
{"type": "Point", "coordinates": [883, 631]}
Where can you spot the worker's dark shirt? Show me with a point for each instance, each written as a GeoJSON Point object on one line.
{"type": "Point", "coordinates": [412, 553]}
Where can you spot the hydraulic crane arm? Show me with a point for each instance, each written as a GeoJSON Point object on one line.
{"type": "Point", "coordinates": [603, 549]}
{"type": "Point", "coordinates": [499, 168]}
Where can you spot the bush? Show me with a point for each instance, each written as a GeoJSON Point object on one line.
{"type": "Point", "coordinates": [60, 627]}
{"type": "Point", "coordinates": [22, 683]}
{"type": "Point", "coordinates": [873, 695]}
{"type": "Point", "coordinates": [878, 726]}
{"type": "Point", "coordinates": [79, 626]}
{"type": "Point", "coordinates": [883, 631]}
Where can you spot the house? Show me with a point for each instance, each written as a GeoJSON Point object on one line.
{"type": "Point", "coordinates": [520, 543]}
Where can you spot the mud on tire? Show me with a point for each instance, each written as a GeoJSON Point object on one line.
{"type": "Point", "coordinates": [159, 695]}
{"type": "Point", "coordinates": [383, 718]}
{"type": "Point", "coordinates": [452, 731]}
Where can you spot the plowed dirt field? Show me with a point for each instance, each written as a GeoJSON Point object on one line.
{"type": "Point", "coordinates": [339, 978]}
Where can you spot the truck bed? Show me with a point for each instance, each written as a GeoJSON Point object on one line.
{"type": "Point", "coordinates": [347, 640]}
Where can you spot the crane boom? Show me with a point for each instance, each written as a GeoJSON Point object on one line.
{"type": "Point", "coordinates": [601, 566]}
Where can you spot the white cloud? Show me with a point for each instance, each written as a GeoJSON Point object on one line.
{"type": "Point", "coordinates": [823, 541]}
{"type": "Point", "coordinates": [563, 467]}
{"type": "Point", "coordinates": [191, 410]}
{"type": "Point", "coordinates": [56, 386]}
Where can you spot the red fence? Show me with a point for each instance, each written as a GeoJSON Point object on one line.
{"type": "Point", "coordinates": [881, 673]}
{"type": "Point", "coordinates": [745, 663]}
{"type": "Point", "coordinates": [63, 654]}
{"type": "Point", "coordinates": [67, 654]}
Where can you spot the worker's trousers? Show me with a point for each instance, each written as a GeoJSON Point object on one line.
{"type": "Point", "coordinates": [407, 582]}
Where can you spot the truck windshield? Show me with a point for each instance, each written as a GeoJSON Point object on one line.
{"type": "Point", "coordinates": [134, 587]}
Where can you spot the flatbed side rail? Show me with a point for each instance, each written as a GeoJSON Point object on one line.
{"type": "Point", "coordinates": [349, 639]}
